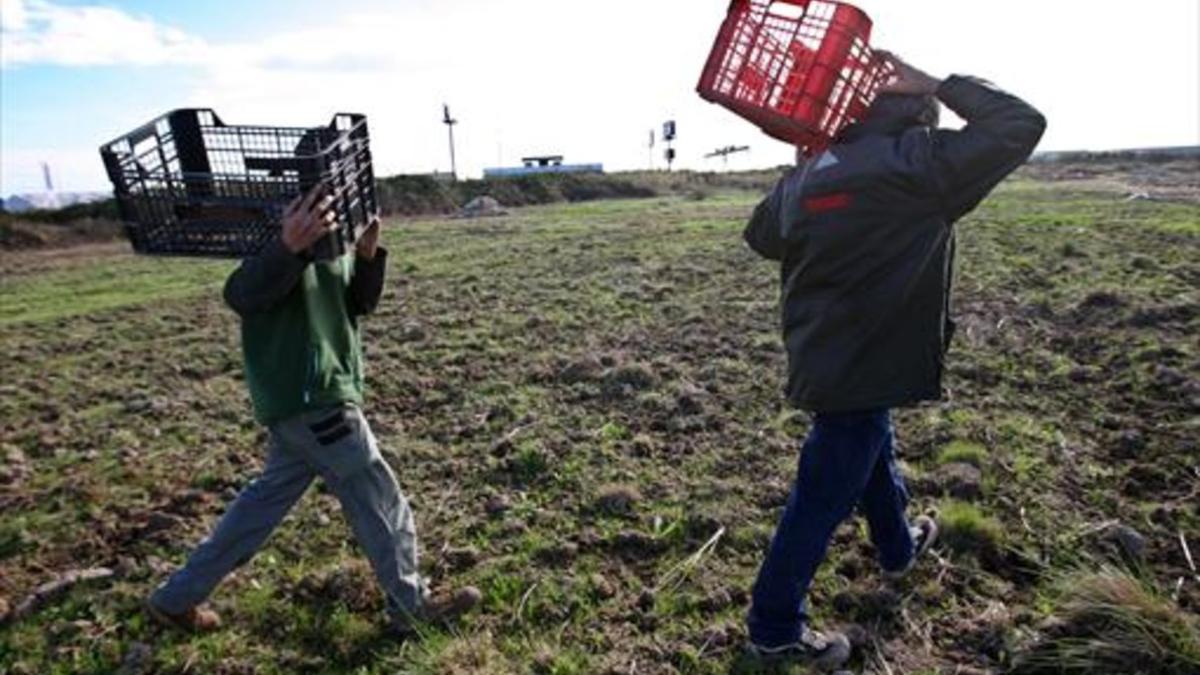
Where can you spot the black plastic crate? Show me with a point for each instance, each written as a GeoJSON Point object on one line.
{"type": "Point", "coordinates": [189, 184]}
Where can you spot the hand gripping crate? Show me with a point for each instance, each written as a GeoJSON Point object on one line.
{"type": "Point", "coordinates": [802, 70]}
{"type": "Point", "coordinates": [189, 184]}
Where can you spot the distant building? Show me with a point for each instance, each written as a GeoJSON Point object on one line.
{"type": "Point", "coordinates": [541, 164]}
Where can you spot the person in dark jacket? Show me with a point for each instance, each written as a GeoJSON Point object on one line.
{"type": "Point", "coordinates": [864, 237]}
{"type": "Point", "coordinates": [303, 357]}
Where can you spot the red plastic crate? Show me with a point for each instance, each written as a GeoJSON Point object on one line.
{"type": "Point", "coordinates": [799, 69]}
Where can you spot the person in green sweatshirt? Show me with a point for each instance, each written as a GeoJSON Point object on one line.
{"type": "Point", "coordinates": [304, 366]}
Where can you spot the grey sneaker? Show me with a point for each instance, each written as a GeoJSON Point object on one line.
{"type": "Point", "coordinates": [439, 608]}
{"type": "Point", "coordinates": [924, 531]}
{"type": "Point", "coordinates": [824, 651]}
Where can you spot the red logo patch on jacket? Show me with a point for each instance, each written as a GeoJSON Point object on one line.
{"type": "Point", "coordinates": [830, 202]}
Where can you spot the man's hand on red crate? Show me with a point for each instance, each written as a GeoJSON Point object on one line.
{"type": "Point", "coordinates": [308, 218]}
{"type": "Point", "coordinates": [368, 241]}
{"type": "Point", "coordinates": [907, 79]}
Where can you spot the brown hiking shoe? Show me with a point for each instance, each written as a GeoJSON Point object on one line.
{"type": "Point", "coordinates": [195, 620]}
{"type": "Point", "coordinates": [443, 607]}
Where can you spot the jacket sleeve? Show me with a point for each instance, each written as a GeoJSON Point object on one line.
{"type": "Point", "coordinates": [1000, 134]}
{"type": "Point", "coordinates": [366, 286]}
{"type": "Point", "coordinates": [261, 281]}
{"type": "Point", "coordinates": [767, 233]}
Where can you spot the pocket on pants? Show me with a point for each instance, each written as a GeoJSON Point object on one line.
{"type": "Point", "coordinates": [341, 442]}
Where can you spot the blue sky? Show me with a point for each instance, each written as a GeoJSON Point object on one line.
{"type": "Point", "coordinates": [583, 78]}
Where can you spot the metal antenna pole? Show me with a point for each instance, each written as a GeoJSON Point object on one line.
{"type": "Point", "coordinates": [450, 122]}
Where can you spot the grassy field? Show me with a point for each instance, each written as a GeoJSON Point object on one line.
{"type": "Point", "coordinates": [583, 403]}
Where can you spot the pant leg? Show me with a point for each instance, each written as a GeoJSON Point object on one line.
{"type": "Point", "coordinates": [340, 444]}
{"type": "Point", "coordinates": [243, 529]}
{"type": "Point", "coordinates": [883, 503]}
{"type": "Point", "coordinates": [835, 465]}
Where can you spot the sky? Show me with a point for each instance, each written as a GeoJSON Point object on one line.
{"type": "Point", "coordinates": [581, 78]}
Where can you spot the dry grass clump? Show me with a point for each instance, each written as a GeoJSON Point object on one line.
{"type": "Point", "coordinates": [1112, 622]}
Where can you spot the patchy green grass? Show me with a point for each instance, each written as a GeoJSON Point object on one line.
{"type": "Point", "coordinates": [578, 398]}
{"type": "Point", "coordinates": [111, 284]}
{"type": "Point", "coordinates": [963, 452]}
{"type": "Point", "coordinates": [966, 529]}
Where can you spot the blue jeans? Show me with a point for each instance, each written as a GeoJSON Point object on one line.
{"type": "Point", "coordinates": [847, 460]}
{"type": "Point", "coordinates": [338, 446]}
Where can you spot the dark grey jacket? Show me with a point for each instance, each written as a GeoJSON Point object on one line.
{"type": "Point", "coordinates": [864, 236]}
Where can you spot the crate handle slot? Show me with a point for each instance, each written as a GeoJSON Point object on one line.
{"type": "Point", "coordinates": [787, 10]}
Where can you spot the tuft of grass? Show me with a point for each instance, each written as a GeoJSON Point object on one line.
{"type": "Point", "coordinates": [966, 529]}
{"type": "Point", "coordinates": [529, 462]}
{"type": "Point", "coordinates": [1110, 621]}
{"type": "Point", "coordinates": [964, 452]}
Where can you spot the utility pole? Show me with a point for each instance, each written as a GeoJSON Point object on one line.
{"type": "Point", "coordinates": [46, 177]}
{"type": "Point", "coordinates": [651, 149]}
{"type": "Point", "coordinates": [450, 122]}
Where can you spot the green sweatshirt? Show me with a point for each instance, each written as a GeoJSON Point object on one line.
{"type": "Point", "coordinates": [300, 333]}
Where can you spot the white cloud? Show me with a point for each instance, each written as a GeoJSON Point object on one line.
{"type": "Point", "coordinates": [12, 15]}
{"type": "Point", "coordinates": [36, 31]}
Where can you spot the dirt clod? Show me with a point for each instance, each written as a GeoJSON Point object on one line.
{"type": "Point", "coordinates": [459, 559]}
{"type": "Point", "coordinates": [645, 600]}
{"type": "Point", "coordinates": [584, 369]}
{"type": "Point", "coordinates": [139, 659]}
{"type": "Point", "coordinates": [126, 568]}
{"type": "Point", "coordinates": [497, 505]}
{"type": "Point", "coordinates": [603, 587]}
{"type": "Point", "coordinates": [690, 400]}
{"type": "Point", "coordinates": [1130, 442]}
{"type": "Point", "coordinates": [635, 376]}
{"type": "Point", "coordinates": [960, 480]}
{"type": "Point", "coordinates": [617, 500]}
{"type": "Point", "coordinates": [557, 554]}
{"type": "Point", "coordinates": [158, 521]}
{"type": "Point", "coordinates": [636, 545]}
{"type": "Point", "coordinates": [716, 600]}
{"type": "Point", "coordinates": [868, 606]}
{"type": "Point", "coordinates": [351, 584]}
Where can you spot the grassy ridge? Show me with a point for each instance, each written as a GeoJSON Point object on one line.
{"type": "Point", "coordinates": [404, 195]}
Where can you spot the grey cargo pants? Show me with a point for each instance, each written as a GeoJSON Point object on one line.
{"type": "Point", "coordinates": [337, 445]}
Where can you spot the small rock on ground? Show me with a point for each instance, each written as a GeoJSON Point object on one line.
{"type": "Point", "coordinates": [1128, 541]}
